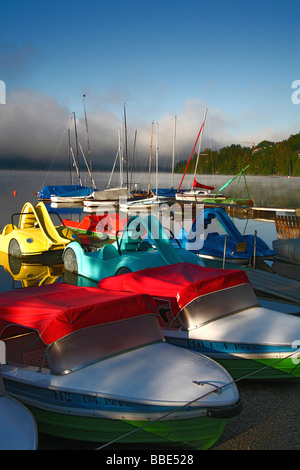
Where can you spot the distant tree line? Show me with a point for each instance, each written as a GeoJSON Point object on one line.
{"type": "Point", "coordinates": [266, 158]}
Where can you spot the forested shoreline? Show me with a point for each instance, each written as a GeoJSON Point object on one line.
{"type": "Point", "coordinates": [266, 158]}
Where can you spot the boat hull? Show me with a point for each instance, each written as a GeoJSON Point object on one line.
{"type": "Point", "coordinates": [18, 429]}
{"type": "Point", "coordinates": [200, 433]}
{"type": "Point", "coordinates": [138, 391]}
{"type": "Point", "coordinates": [247, 361]}
{"type": "Point", "coordinates": [190, 196]}
{"type": "Point", "coordinates": [91, 417]}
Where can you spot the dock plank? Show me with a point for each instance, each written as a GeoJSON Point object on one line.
{"type": "Point", "coordinates": [274, 284]}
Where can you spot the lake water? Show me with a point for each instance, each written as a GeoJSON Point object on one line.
{"type": "Point", "coordinates": [265, 191]}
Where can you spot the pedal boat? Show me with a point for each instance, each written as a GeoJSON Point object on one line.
{"type": "Point", "coordinates": [93, 365]}
{"type": "Point", "coordinates": [35, 233]}
{"type": "Point", "coordinates": [217, 313]}
{"type": "Point", "coordinates": [18, 428]}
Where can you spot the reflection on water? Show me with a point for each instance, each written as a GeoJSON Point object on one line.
{"type": "Point", "coordinates": [31, 274]}
{"type": "Point", "coordinates": [265, 191]}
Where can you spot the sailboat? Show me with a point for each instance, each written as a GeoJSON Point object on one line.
{"type": "Point", "coordinates": [199, 191]}
{"type": "Point", "coordinates": [168, 193]}
{"type": "Point", "coordinates": [218, 198]}
{"type": "Point", "coordinates": [111, 195]}
{"type": "Point", "coordinates": [72, 192]}
{"type": "Point", "coordinates": [151, 199]}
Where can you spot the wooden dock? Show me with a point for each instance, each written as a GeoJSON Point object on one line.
{"type": "Point", "coordinates": [287, 226]}
{"type": "Point", "coordinates": [275, 285]}
{"type": "Point", "coordinates": [255, 212]}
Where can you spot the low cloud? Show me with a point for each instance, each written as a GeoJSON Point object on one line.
{"type": "Point", "coordinates": [34, 127]}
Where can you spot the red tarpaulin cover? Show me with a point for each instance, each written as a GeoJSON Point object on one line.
{"type": "Point", "coordinates": [180, 283]}
{"type": "Point", "coordinates": [56, 310]}
{"type": "Point", "coordinates": [109, 223]}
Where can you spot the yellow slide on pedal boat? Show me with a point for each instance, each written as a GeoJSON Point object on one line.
{"type": "Point", "coordinates": [35, 233]}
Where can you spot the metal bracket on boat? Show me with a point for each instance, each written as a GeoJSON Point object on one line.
{"type": "Point", "coordinates": [218, 389]}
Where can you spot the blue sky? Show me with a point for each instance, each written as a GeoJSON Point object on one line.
{"type": "Point", "coordinates": [161, 58]}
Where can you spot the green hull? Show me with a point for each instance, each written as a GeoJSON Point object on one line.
{"type": "Point", "coordinates": [261, 369]}
{"type": "Point", "coordinates": [230, 200]}
{"type": "Point", "coordinates": [199, 433]}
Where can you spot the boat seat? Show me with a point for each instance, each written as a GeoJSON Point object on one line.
{"type": "Point", "coordinates": [130, 244]}
{"type": "Point", "coordinates": [8, 229]}
{"type": "Point", "coordinates": [108, 252]}
{"type": "Point", "coordinates": [144, 245]}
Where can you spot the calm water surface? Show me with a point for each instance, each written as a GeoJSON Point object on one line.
{"type": "Point", "coordinates": [265, 191]}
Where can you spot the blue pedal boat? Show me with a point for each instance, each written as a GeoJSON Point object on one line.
{"type": "Point", "coordinates": [213, 231]}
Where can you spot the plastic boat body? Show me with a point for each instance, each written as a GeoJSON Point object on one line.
{"type": "Point", "coordinates": [18, 429]}
{"type": "Point", "coordinates": [35, 233]}
{"type": "Point", "coordinates": [207, 238]}
{"type": "Point", "coordinates": [216, 312]}
{"type": "Point", "coordinates": [94, 365]}
{"type": "Point", "coordinates": [131, 252]}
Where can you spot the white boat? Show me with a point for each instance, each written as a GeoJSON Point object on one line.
{"type": "Point", "coordinates": [137, 204]}
{"type": "Point", "coordinates": [106, 196]}
{"type": "Point", "coordinates": [196, 194]}
{"type": "Point", "coordinates": [216, 312]}
{"type": "Point", "coordinates": [94, 365]}
{"type": "Point", "coordinates": [18, 429]}
{"type": "Point", "coordinates": [67, 199]}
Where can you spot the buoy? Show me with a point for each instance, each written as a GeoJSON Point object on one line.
{"type": "Point", "coordinates": [15, 193]}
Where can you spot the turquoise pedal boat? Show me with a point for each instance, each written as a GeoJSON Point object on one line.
{"type": "Point", "coordinates": [130, 252]}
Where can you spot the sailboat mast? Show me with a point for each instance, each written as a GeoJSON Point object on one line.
{"type": "Point", "coordinates": [150, 158]}
{"type": "Point", "coordinates": [133, 155]}
{"type": "Point", "coordinates": [200, 142]}
{"type": "Point", "coordinates": [120, 158]}
{"type": "Point", "coordinates": [173, 159]}
{"type": "Point", "coordinates": [88, 143]}
{"type": "Point", "coordinates": [69, 153]}
{"type": "Point", "coordinates": [77, 153]}
{"type": "Point", "coordinates": [156, 162]}
{"type": "Point", "coordinates": [126, 152]}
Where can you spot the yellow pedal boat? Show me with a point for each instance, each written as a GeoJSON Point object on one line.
{"type": "Point", "coordinates": [35, 234]}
